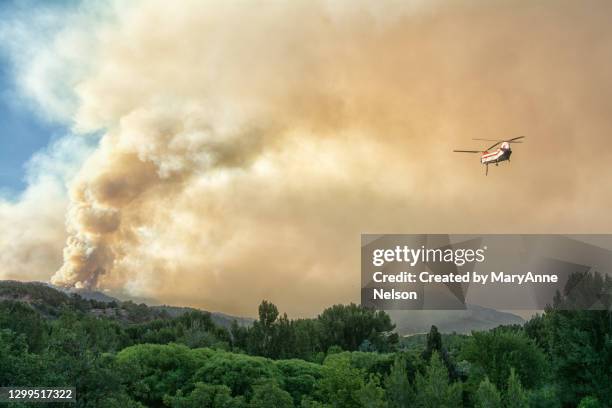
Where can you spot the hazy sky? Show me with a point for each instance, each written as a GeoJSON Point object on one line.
{"type": "Point", "coordinates": [221, 153]}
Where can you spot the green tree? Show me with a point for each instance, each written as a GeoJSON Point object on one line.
{"type": "Point", "coordinates": [581, 340]}
{"type": "Point", "coordinates": [21, 318]}
{"type": "Point", "coordinates": [307, 342]}
{"type": "Point", "coordinates": [371, 395]}
{"type": "Point", "coordinates": [400, 393]}
{"type": "Point", "coordinates": [95, 378]}
{"type": "Point", "coordinates": [269, 394]}
{"type": "Point", "coordinates": [193, 328]}
{"type": "Point", "coordinates": [487, 395]}
{"type": "Point", "coordinates": [497, 351]}
{"type": "Point", "coordinates": [348, 327]}
{"type": "Point", "coordinates": [284, 338]}
{"type": "Point", "coordinates": [118, 400]}
{"type": "Point", "coordinates": [589, 402]}
{"type": "Point", "coordinates": [310, 403]}
{"type": "Point", "coordinates": [262, 338]}
{"type": "Point", "coordinates": [239, 336]}
{"type": "Point", "coordinates": [152, 371]}
{"type": "Point", "coordinates": [299, 378]}
{"type": "Point", "coordinates": [544, 397]}
{"type": "Point", "coordinates": [434, 342]}
{"type": "Point", "coordinates": [515, 396]}
{"type": "Point", "coordinates": [536, 329]}
{"type": "Point", "coordinates": [341, 383]}
{"type": "Point", "coordinates": [205, 396]}
{"type": "Point", "coordinates": [583, 290]}
{"type": "Point", "coordinates": [17, 365]}
{"type": "Point", "coordinates": [433, 389]}
{"type": "Point", "coordinates": [237, 371]}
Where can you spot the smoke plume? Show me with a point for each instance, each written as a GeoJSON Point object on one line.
{"type": "Point", "coordinates": [246, 146]}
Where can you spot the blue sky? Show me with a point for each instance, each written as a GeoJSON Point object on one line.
{"type": "Point", "coordinates": [23, 132]}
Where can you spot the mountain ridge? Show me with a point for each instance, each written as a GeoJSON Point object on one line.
{"type": "Point", "coordinates": [47, 299]}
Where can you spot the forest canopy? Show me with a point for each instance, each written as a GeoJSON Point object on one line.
{"type": "Point", "coordinates": [347, 356]}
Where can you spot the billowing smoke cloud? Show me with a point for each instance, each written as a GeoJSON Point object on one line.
{"type": "Point", "coordinates": [247, 146]}
{"type": "Point", "coordinates": [32, 226]}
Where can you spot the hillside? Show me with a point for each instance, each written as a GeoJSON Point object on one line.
{"type": "Point", "coordinates": [221, 319]}
{"type": "Point", "coordinates": [49, 301]}
{"type": "Point", "coordinates": [449, 321]}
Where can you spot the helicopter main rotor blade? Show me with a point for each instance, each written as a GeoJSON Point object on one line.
{"type": "Point", "coordinates": [501, 140]}
{"type": "Point", "coordinates": [516, 138]}
{"type": "Point", "coordinates": [494, 144]}
{"type": "Point", "coordinates": [467, 151]}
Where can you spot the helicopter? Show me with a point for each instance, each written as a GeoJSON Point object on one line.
{"type": "Point", "coordinates": [502, 153]}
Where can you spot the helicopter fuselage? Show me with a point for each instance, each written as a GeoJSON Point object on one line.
{"type": "Point", "coordinates": [498, 155]}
